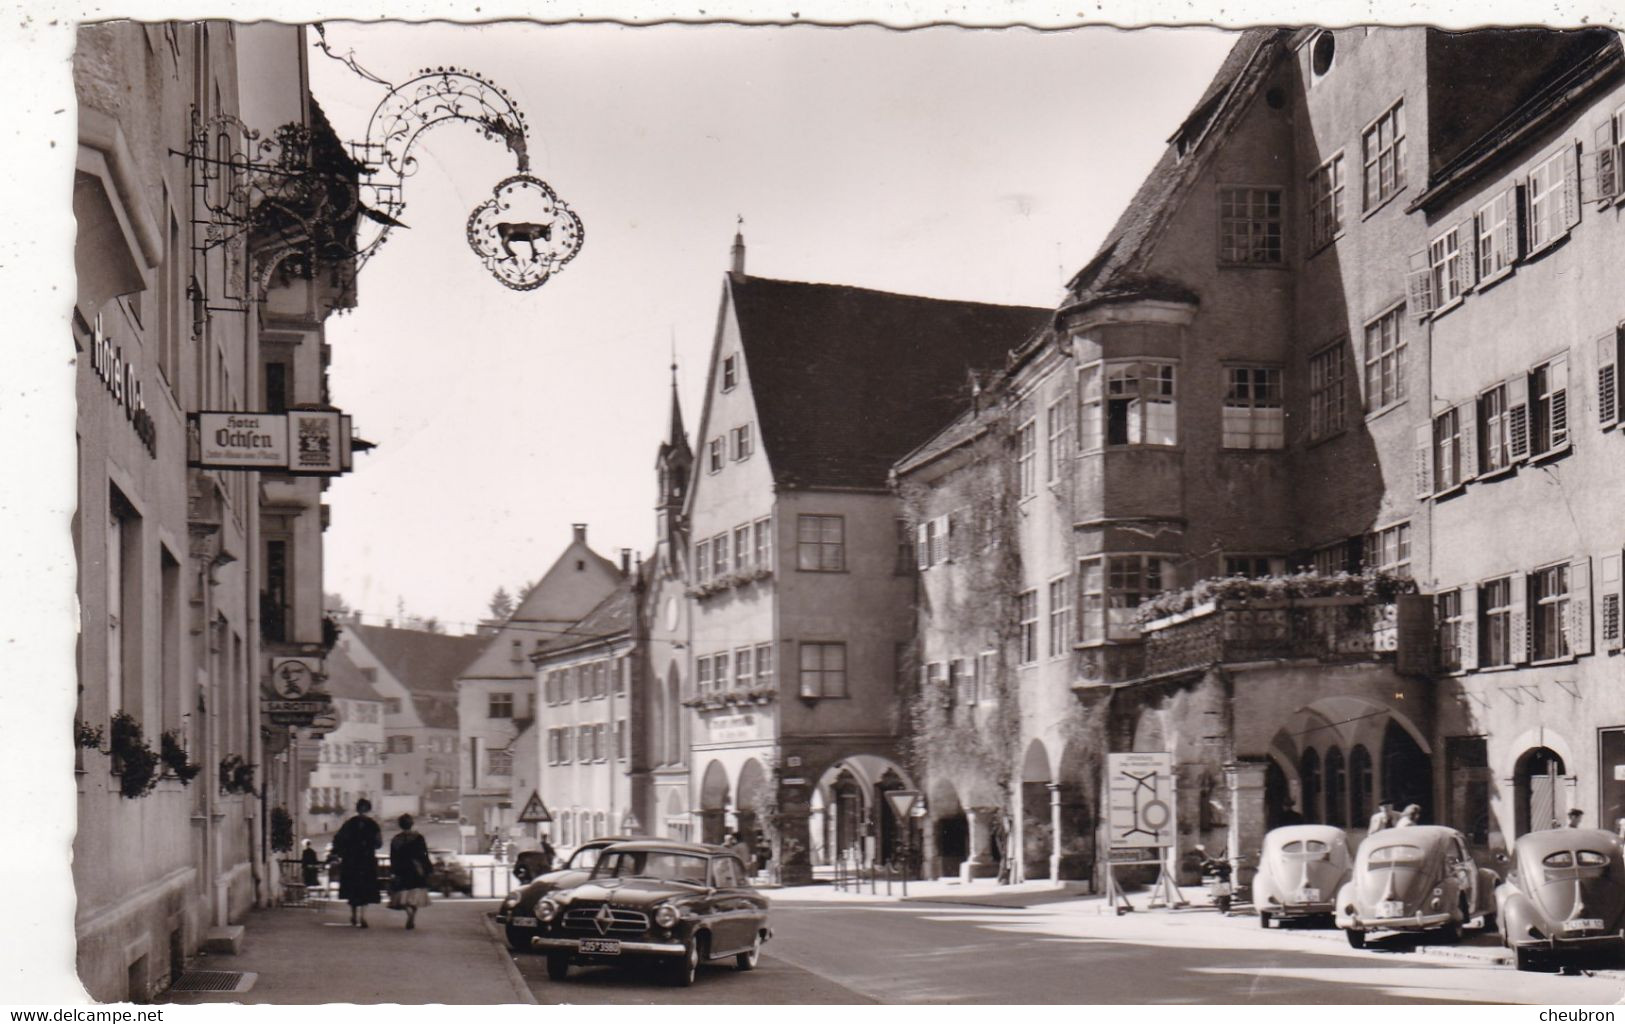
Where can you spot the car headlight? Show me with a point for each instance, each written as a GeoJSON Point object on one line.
{"type": "Point", "coordinates": [547, 910]}
{"type": "Point", "coordinates": [666, 915]}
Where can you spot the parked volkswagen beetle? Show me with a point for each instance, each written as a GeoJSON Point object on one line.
{"type": "Point", "coordinates": [1300, 870]}
{"type": "Point", "coordinates": [1564, 897]}
{"type": "Point", "coordinates": [1415, 878]}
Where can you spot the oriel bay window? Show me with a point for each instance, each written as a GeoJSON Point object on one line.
{"type": "Point", "coordinates": [1136, 405]}
{"type": "Point", "coordinates": [1111, 588]}
{"type": "Point", "coordinates": [1253, 412]}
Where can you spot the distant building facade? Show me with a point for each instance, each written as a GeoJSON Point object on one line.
{"type": "Point", "coordinates": [415, 672]}
{"type": "Point", "coordinates": [496, 691]}
{"type": "Point", "coordinates": [350, 759]}
{"type": "Point", "coordinates": [801, 579]}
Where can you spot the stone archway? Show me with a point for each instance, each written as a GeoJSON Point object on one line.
{"type": "Point", "coordinates": [950, 829]}
{"type": "Point", "coordinates": [1538, 794]}
{"type": "Point", "coordinates": [1073, 817]}
{"type": "Point", "coordinates": [1407, 771]}
{"type": "Point", "coordinates": [1037, 826]}
{"type": "Point", "coordinates": [752, 797]}
{"type": "Point", "coordinates": [713, 803]}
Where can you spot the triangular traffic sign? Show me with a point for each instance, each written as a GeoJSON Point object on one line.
{"type": "Point", "coordinates": [535, 810]}
{"type": "Point", "coordinates": [902, 801]}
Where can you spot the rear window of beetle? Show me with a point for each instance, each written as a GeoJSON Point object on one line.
{"type": "Point", "coordinates": [1395, 854]}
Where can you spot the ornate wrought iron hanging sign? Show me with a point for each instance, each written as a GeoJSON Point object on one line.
{"type": "Point", "coordinates": [299, 201]}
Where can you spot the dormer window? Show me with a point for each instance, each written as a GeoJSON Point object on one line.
{"type": "Point", "coordinates": [730, 372]}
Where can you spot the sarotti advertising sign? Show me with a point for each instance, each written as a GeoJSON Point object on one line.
{"type": "Point", "coordinates": [300, 442]}
{"type": "Point", "coordinates": [240, 440]}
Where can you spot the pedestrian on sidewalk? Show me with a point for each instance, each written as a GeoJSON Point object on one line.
{"type": "Point", "coordinates": [1383, 818]}
{"type": "Point", "coordinates": [409, 871]}
{"type": "Point", "coordinates": [1575, 814]}
{"type": "Point", "coordinates": [1411, 816]}
{"type": "Point", "coordinates": [307, 866]}
{"type": "Point", "coordinates": [356, 847]}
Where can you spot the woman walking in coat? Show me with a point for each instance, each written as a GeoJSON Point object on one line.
{"type": "Point", "coordinates": [409, 871]}
{"type": "Point", "coordinates": [356, 847]}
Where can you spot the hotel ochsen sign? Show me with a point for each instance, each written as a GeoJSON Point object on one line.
{"type": "Point", "coordinates": [312, 442]}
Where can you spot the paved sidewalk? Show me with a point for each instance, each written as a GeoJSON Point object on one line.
{"type": "Point", "coordinates": [305, 955]}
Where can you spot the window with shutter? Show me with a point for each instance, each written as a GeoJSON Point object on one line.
{"type": "Point", "coordinates": [1549, 406]}
{"type": "Point", "coordinates": [1608, 597]}
{"type": "Point", "coordinates": [1604, 163]}
{"type": "Point", "coordinates": [1608, 379]}
{"type": "Point", "coordinates": [1579, 606]}
{"type": "Point", "coordinates": [1446, 450]}
{"type": "Point", "coordinates": [1466, 440]}
{"type": "Point", "coordinates": [1420, 294]}
{"type": "Point", "coordinates": [1518, 418]}
{"type": "Point", "coordinates": [1424, 460]}
{"type": "Point", "coordinates": [985, 689]}
{"type": "Point", "coordinates": [1467, 629]}
{"type": "Point", "coordinates": [1518, 619]}
{"type": "Point", "coordinates": [922, 545]}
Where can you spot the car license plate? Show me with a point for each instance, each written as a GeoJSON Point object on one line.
{"type": "Point", "coordinates": [602, 947]}
{"type": "Point", "coordinates": [1583, 924]}
{"type": "Point", "coordinates": [1391, 908]}
{"type": "Point", "coordinates": [1309, 895]}
{"type": "Point", "coordinates": [522, 922]}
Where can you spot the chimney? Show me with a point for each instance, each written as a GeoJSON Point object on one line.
{"type": "Point", "coordinates": [626, 561]}
{"type": "Point", "coordinates": [580, 531]}
{"type": "Point", "coordinates": [738, 265]}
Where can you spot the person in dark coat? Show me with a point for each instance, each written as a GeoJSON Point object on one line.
{"type": "Point", "coordinates": [409, 871]}
{"type": "Point", "coordinates": [307, 865]}
{"type": "Point", "coordinates": [356, 847]}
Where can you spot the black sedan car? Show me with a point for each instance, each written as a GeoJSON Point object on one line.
{"type": "Point", "coordinates": [674, 904]}
{"type": "Point", "coordinates": [517, 915]}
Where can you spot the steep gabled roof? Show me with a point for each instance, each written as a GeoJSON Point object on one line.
{"type": "Point", "coordinates": [423, 662]}
{"type": "Point", "coordinates": [846, 380]}
{"type": "Point", "coordinates": [345, 678]}
{"type": "Point", "coordinates": [1117, 268]}
{"type": "Point", "coordinates": [612, 617]}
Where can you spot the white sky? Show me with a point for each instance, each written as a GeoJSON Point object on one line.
{"type": "Point", "coordinates": [968, 164]}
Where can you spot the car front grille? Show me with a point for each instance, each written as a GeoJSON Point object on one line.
{"type": "Point", "coordinates": [583, 917]}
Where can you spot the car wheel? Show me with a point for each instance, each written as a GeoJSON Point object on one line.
{"type": "Point", "coordinates": [1356, 938]}
{"type": "Point", "coordinates": [519, 940]}
{"type": "Point", "coordinates": [1263, 919]}
{"type": "Point", "coordinates": [558, 966]}
{"type": "Point", "coordinates": [1451, 932]}
{"type": "Point", "coordinates": [685, 970]}
{"type": "Point", "coordinates": [748, 961]}
{"type": "Point", "coordinates": [1525, 958]}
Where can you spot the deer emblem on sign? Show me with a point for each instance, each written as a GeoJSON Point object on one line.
{"type": "Point", "coordinates": [524, 232]}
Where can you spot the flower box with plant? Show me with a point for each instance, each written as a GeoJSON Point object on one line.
{"type": "Point", "coordinates": [135, 763]}
{"type": "Point", "coordinates": [176, 761]}
{"type": "Point", "coordinates": [236, 774]}
{"type": "Point", "coordinates": [1278, 591]}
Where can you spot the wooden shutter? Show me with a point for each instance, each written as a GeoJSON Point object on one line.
{"type": "Point", "coordinates": [1512, 233]}
{"type": "Point", "coordinates": [1424, 460]}
{"type": "Point", "coordinates": [945, 538]}
{"type": "Point", "coordinates": [1467, 438]}
{"type": "Point", "coordinates": [922, 547]}
{"type": "Point", "coordinates": [1419, 295]}
{"type": "Point", "coordinates": [1571, 186]}
{"type": "Point", "coordinates": [1557, 387]}
{"type": "Point", "coordinates": [1579, 607]}
{"type": "Point", "coordinates": [1518, 619]}
{"type": "Point", "coordinates": [1605, 163]}
{"type": "Point", "coordinates": [1518, 418]}
{"type": "Point", "coordinates": [1608, 595]}
{"type": "Point", "coordinates": [1467, 254]}
{"type": "Point", "coordinates": [1608, 379]}
{"type": "Point", "coordinates": [1467, 628]}
{"type": "Point", "coordinates": [1415, 640]}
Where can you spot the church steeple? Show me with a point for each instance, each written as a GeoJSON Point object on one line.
{"type": "Point", "coordinates": [673, 466]}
